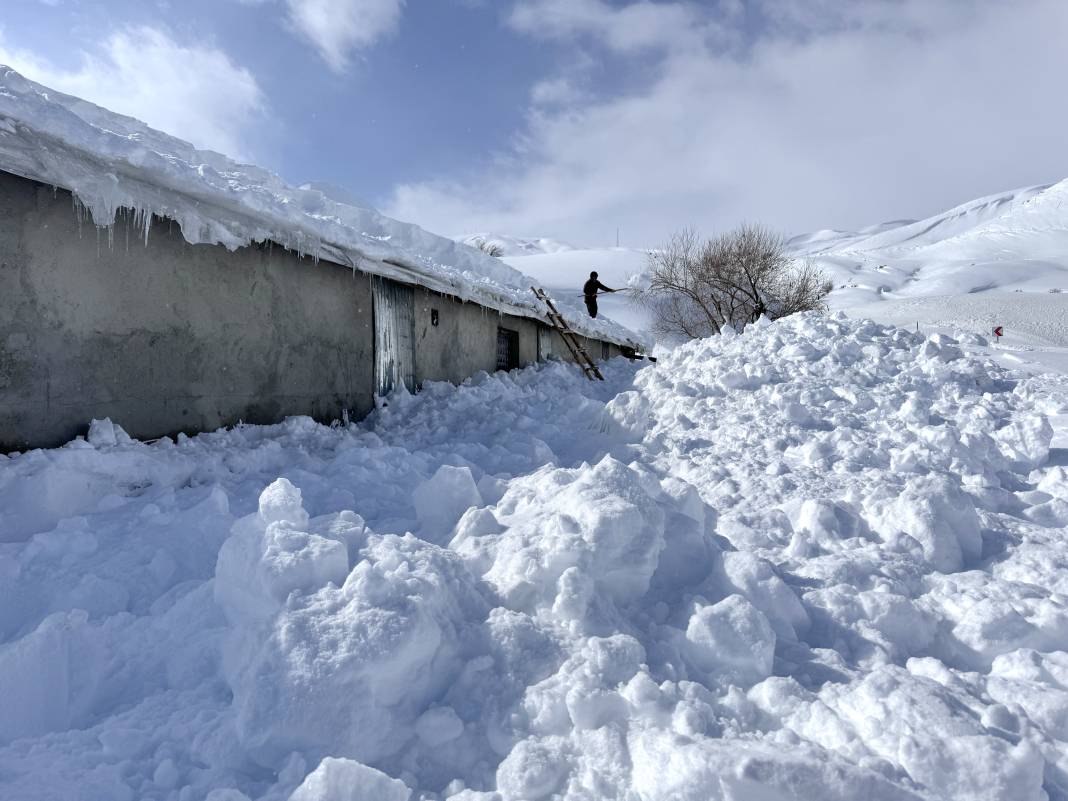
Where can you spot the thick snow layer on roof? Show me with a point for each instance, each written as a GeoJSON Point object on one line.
{"type": "Point", "coordinates": [110, 162]}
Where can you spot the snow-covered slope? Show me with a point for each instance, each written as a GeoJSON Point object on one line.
{"type": "Point", "coordinates": [110, 161]}
{"type": "Point", "coordinates": [822, 559]}
{"type": "Point", "coordinates": [1007, 242]}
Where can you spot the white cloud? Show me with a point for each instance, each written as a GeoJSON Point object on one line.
{"type": "Point", "coordinates": [191, 91]}
{"type": "Point", "coordinates": [555, 91]}
{"type": "Point", "coordinates": [633, 27]}
{"type": "Point", "coordinates": [338, 27]}
{"type": "Point", "coordinates": [831, 114]}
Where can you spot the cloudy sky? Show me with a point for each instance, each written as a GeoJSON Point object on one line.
{"type": "Point", "coordinates": [570, 118]}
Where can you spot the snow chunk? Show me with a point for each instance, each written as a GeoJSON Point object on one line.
{"type": "Point", "coordinates": [441, 501]}
{"type": "Point", "coordinates": [393, 637]}
{"type": "Point", "coordinates": [1025, 442]}
{"type": "Point", "coordinates": [732, 639]}
{"type": "Point", "coordinates": [438, 726]}
{"type": "Point", "coordinates": [934, 512]}
{"type": "Point", "coordinates": [48, 677]}
{"type": "Point", "coordinates": [105, 434]}
{"type": "Point", "coordinates": [281, 503]}
{"type": "Point", "coordinates": [267, 557]}
{"type": "Point", "coordinates": [346, 780]}
{"type": "Point", "coordinates": [599, 519]}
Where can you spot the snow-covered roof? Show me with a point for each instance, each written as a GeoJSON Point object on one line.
{"type": "Point", "coordinates": [110, 161]}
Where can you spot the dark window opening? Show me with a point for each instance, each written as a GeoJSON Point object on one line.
{"type": "Point", "coordinates": [507, 349]}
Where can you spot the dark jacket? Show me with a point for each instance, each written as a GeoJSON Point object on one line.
{"type": "Point", "coordinates": [590, 288]}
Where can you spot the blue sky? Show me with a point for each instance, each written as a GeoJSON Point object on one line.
{"type": "Point", "coordinates": [570, 118]}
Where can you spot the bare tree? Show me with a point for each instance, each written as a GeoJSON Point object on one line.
{"type": "Point", "coordinates": [695, 287]}
{"type": "Point", "coordinates": [489, 248]}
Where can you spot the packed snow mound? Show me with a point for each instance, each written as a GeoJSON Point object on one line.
{"type": "Point", "coordinates": [112, 162]}
{"type": "Point", "coordinates": [822, 558]}
{"type": "Point", "coordinates": [513, 245]}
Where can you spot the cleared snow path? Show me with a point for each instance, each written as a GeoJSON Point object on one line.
{"type": "Point", "coordinates": [823, 559]}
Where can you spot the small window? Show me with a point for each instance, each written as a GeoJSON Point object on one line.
{"type": "Point", "coordinates": [507, 349]}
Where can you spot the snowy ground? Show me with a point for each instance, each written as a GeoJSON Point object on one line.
{"type": "Point", "coordinates": [822, 559]}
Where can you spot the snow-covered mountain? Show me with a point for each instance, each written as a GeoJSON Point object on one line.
{"type": "Point", "coordinates": [1011, 241]}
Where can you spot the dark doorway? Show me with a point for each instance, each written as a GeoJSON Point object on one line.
{"type": "Point", "coordinates": [507, 349]}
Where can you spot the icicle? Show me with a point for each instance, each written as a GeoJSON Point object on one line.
{"type": "Point", "coordinates": [81, 213]}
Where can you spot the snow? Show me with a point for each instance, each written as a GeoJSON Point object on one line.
{"type": "Point", "coordinates": [111, 162]}
{"type": "Point", "coordinates": [823, 558]}
{"type": "Point", "coordinates": [345, 780]}
{"type": "Point", "coordinates": [998, 260]}
{"type": "Point", "coordinates": [513, 245]}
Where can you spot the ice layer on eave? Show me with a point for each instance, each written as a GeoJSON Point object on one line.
{"type": "Point", "coordinates": [110, 161]}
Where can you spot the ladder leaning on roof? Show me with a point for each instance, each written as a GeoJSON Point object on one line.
{"type": "Point", "coordinates": [582, 358]}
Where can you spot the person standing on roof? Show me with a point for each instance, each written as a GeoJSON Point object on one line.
{"type": "Point", "coordinates": [589, 291]}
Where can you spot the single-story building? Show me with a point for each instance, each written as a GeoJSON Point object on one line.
{"type": "Point", "coordinates": [173, 290]}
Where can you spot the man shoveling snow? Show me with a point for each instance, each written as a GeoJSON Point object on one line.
{"type": "Point", "coordinates": [589, 291]}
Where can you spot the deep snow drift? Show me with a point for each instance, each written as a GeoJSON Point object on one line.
{"type": "Point", "coordinates": [821, 559]}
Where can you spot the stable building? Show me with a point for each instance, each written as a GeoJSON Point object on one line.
{"type": "Point", "coordinates": [174, 290]}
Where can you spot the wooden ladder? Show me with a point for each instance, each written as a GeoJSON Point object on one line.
{"type": "Point", "coordinates": [582, 358]}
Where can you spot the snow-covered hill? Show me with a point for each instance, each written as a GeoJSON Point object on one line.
{"type": "Point", "coordinates": [1008, 242]}
{"type": "Point", "coordinates": [821, 559]}
{"type": "Point", "coordinates": [513, 246]}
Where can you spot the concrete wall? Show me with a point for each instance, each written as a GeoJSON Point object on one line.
{"type": "Point", "coordinates": [169, 337]}
{"type": "Point", "coordinates": [592, 346]}
{"type": "Point", "coordinates": [465, 339]}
